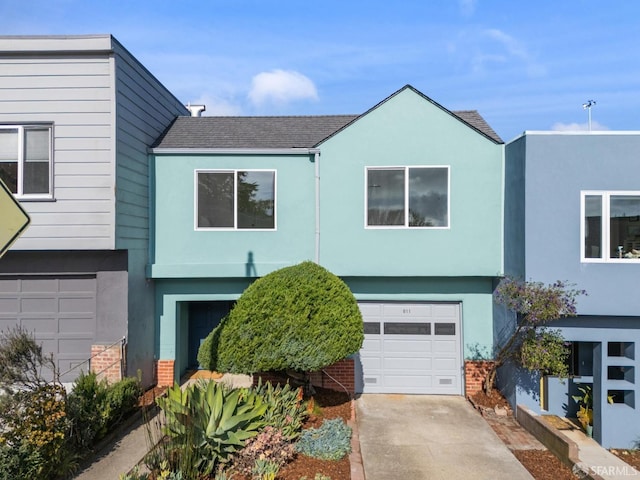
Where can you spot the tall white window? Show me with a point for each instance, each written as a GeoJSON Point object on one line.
{"type": "Point", "coordinates": [610, 226]}
{"type": "Point", "coordinates": [407, 197]}
{"type": "Point", "coordinates": [235, 199]}
{"type": "Point", "coordinates": [25, 159]}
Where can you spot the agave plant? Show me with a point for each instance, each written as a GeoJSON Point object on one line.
{"type": "Point", "coordinates": [208, 422]}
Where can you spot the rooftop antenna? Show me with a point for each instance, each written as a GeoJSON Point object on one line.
{"type": "Point", "coordinates": [587, 106]}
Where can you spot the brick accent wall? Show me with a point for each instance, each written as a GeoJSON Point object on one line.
{"type": "Point", "coordinates": [342, 372]}
{"type": "Point", "coordinates": [106, 362]}
{"type": "Point", "coordinates": [474, 374]}
{"type": "Point", "coordinates": [339, 376]}
{"type": "Point", "coordinates": [165, 372]}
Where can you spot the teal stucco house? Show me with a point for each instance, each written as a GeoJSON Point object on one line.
{"type": "Point", "coordinates": [403, 202]}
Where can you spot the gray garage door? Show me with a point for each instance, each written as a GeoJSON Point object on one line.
{"type": "Point", "coordinates": [61, 311]}
{"type": "Point", "coordinates": [410, 348]}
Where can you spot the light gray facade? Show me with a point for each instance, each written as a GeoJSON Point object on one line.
{"type": "Point", "coordinates": [103, 110]}
{"type": "Point", "coordinates": [572, 213]}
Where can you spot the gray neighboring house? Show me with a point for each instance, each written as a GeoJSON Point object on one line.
{"type": "Point", "coordinates": [77, 115]}
{"type": "Point", "coordinates": [572, 213]}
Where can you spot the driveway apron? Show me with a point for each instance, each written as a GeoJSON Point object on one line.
{"type": "Point", "coordinates": [430, 437]}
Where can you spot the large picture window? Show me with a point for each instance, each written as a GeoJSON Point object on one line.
{"type": "Point", "coordinates": [610, 226]}
{"type": "Point", "coordinates": [25, 159]}
{"type": "Point", "coordinates": [407, 197]}
{"type": "Point", "coordinates": [235, 199]}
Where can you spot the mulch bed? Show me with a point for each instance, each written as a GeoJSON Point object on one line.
{"type": "Point", "coordinates": [329, 404]}
{"type": "Point", "coordinates": [544, 465]}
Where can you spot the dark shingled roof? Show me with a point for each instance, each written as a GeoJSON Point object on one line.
{"type": "Point", "coordinates": [473, 118]}
{"type": "Point", "coordinates": [280, 132]}
{"type": "Point", "coordinates": [251, 132]}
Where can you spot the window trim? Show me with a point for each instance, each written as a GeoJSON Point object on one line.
{"type": "Point", "coordinates": [606, 224]}
{"type": "Point", "coordinates": [20, 187]}
{"type": "Point", "coordinates": [235, 203]}
{"type": "Point", "coordinates": [406, 225]}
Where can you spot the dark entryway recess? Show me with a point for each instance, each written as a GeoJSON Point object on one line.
{"type": "Point", "coordinates": [204, 317]}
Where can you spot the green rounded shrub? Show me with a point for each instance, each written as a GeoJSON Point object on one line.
{"type": "Point", "coordinates": [300, 318]}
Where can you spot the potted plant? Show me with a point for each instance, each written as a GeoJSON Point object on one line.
{"type": "Point", "coordinates": [585, 404]}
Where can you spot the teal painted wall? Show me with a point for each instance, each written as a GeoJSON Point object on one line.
{"type": "Point", "coordinates": [407, 129]}
{"type": "Point", "coordinates": [182, 252]}
{"type": "Point", "coordinates": [474, 294]}
{"type": "Point", "coordinates": [456, 264]}
{"type": "Point", "coordinates": [172, 297]}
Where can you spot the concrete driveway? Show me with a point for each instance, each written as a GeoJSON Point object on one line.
{"type": "Point", "coordinates": [430, 437]}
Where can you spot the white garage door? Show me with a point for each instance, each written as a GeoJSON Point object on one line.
{"type": "Point", "coordinates": [410, 348]}
{"type": "Point", "coordinates": [60, 311]}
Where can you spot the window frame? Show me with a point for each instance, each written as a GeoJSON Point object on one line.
{"type": "Point", "coordinates": [605, 195]}
{"type": "Point", "coordinates": [21, 127]}
{"type": "Point", "coordinates": [406, 225]}
{"type": "Point", "coordinates": [235, 227]}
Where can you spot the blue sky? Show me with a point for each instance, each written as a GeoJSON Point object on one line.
{"type": "Point", "coordinates": [522, 65]}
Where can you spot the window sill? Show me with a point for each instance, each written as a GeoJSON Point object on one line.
{"type": "Point", "coordinates": [35, 199]}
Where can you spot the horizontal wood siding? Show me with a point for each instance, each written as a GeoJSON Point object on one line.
{"type": "Point", "coordinates": [74, 93]}
{"type": "Point", "coordinates": [144, 109]}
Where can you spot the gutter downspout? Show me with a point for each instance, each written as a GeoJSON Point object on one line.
{"type": "Point", "coordinates": [316, 160]}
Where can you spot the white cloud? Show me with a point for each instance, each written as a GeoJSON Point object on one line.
{"type": "Point", "coordinates": [281, 87]}
{"type": "Point", "coordinates": [467, 7]}
{"type": "Point", "coordinates": [509, 49]}
{"type": "Point", "coordinates": [577, 127]}
{"type": "Point", "coordinates": [217, 106]}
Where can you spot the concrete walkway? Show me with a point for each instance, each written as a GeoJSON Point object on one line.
{"type": "Point", "coordinates": [123, 453]}
{"type": "Point", "coordinates": [430, 437]}
{"type": "Point", "coordinates": [598, 462]}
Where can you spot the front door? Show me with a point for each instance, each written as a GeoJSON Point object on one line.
{"type": "Point", "coordinates": [203, 318]}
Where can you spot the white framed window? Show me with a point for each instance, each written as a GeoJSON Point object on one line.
{"type": "Point", "coordinates": [407, 197]}
{"type": "Point", "coordinates": [26, 160]}
{"type": "Point", "coordinates": [235, 199]}
{"type": "Point", "coordinates": [610, 226]}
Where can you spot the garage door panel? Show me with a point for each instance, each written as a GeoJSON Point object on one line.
{"type": "Point", "coordinates": [84, 325]}
{"type": "Point", "coordinates": [416, 381]}
{"type": "Point", "coordinates": [417, 349]}
{"type": "Point", "coordinates": [43, 326]}
{"type": "Point", "coordinates": [446, 310]}
{"type": "Point", "coordinates": [76, 285]}
{"type": "Point", "coordinates": [406, 364]}
{"type": "Point", "coordinates": [39, 285]}
{"type": "Point", "coordinates": [402, 310]}
{"type": "Point", "coordinates": [8, 286]}
{"type": "Point", "coordinates": [407, 346]}
{"type": "Point", "coordinates": [60, 311]}
{"type": "Point", "coordinates": [445, 346]}
{"type": "Point", "coordinates": [371, 363]}
{"type": "Point", "coordinates": [441, 364]}
{"type": "Point", "coordinates": [71, 305]}
{"type": "Point", "coordinates": [39, 305]}
{"type": "Point", "coordinates": [371, 309]}
{"type": "Point", "coordinates": [9, 305]}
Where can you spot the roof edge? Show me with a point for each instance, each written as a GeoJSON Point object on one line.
{"type": "Point", "coordinates": [428, 99]}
